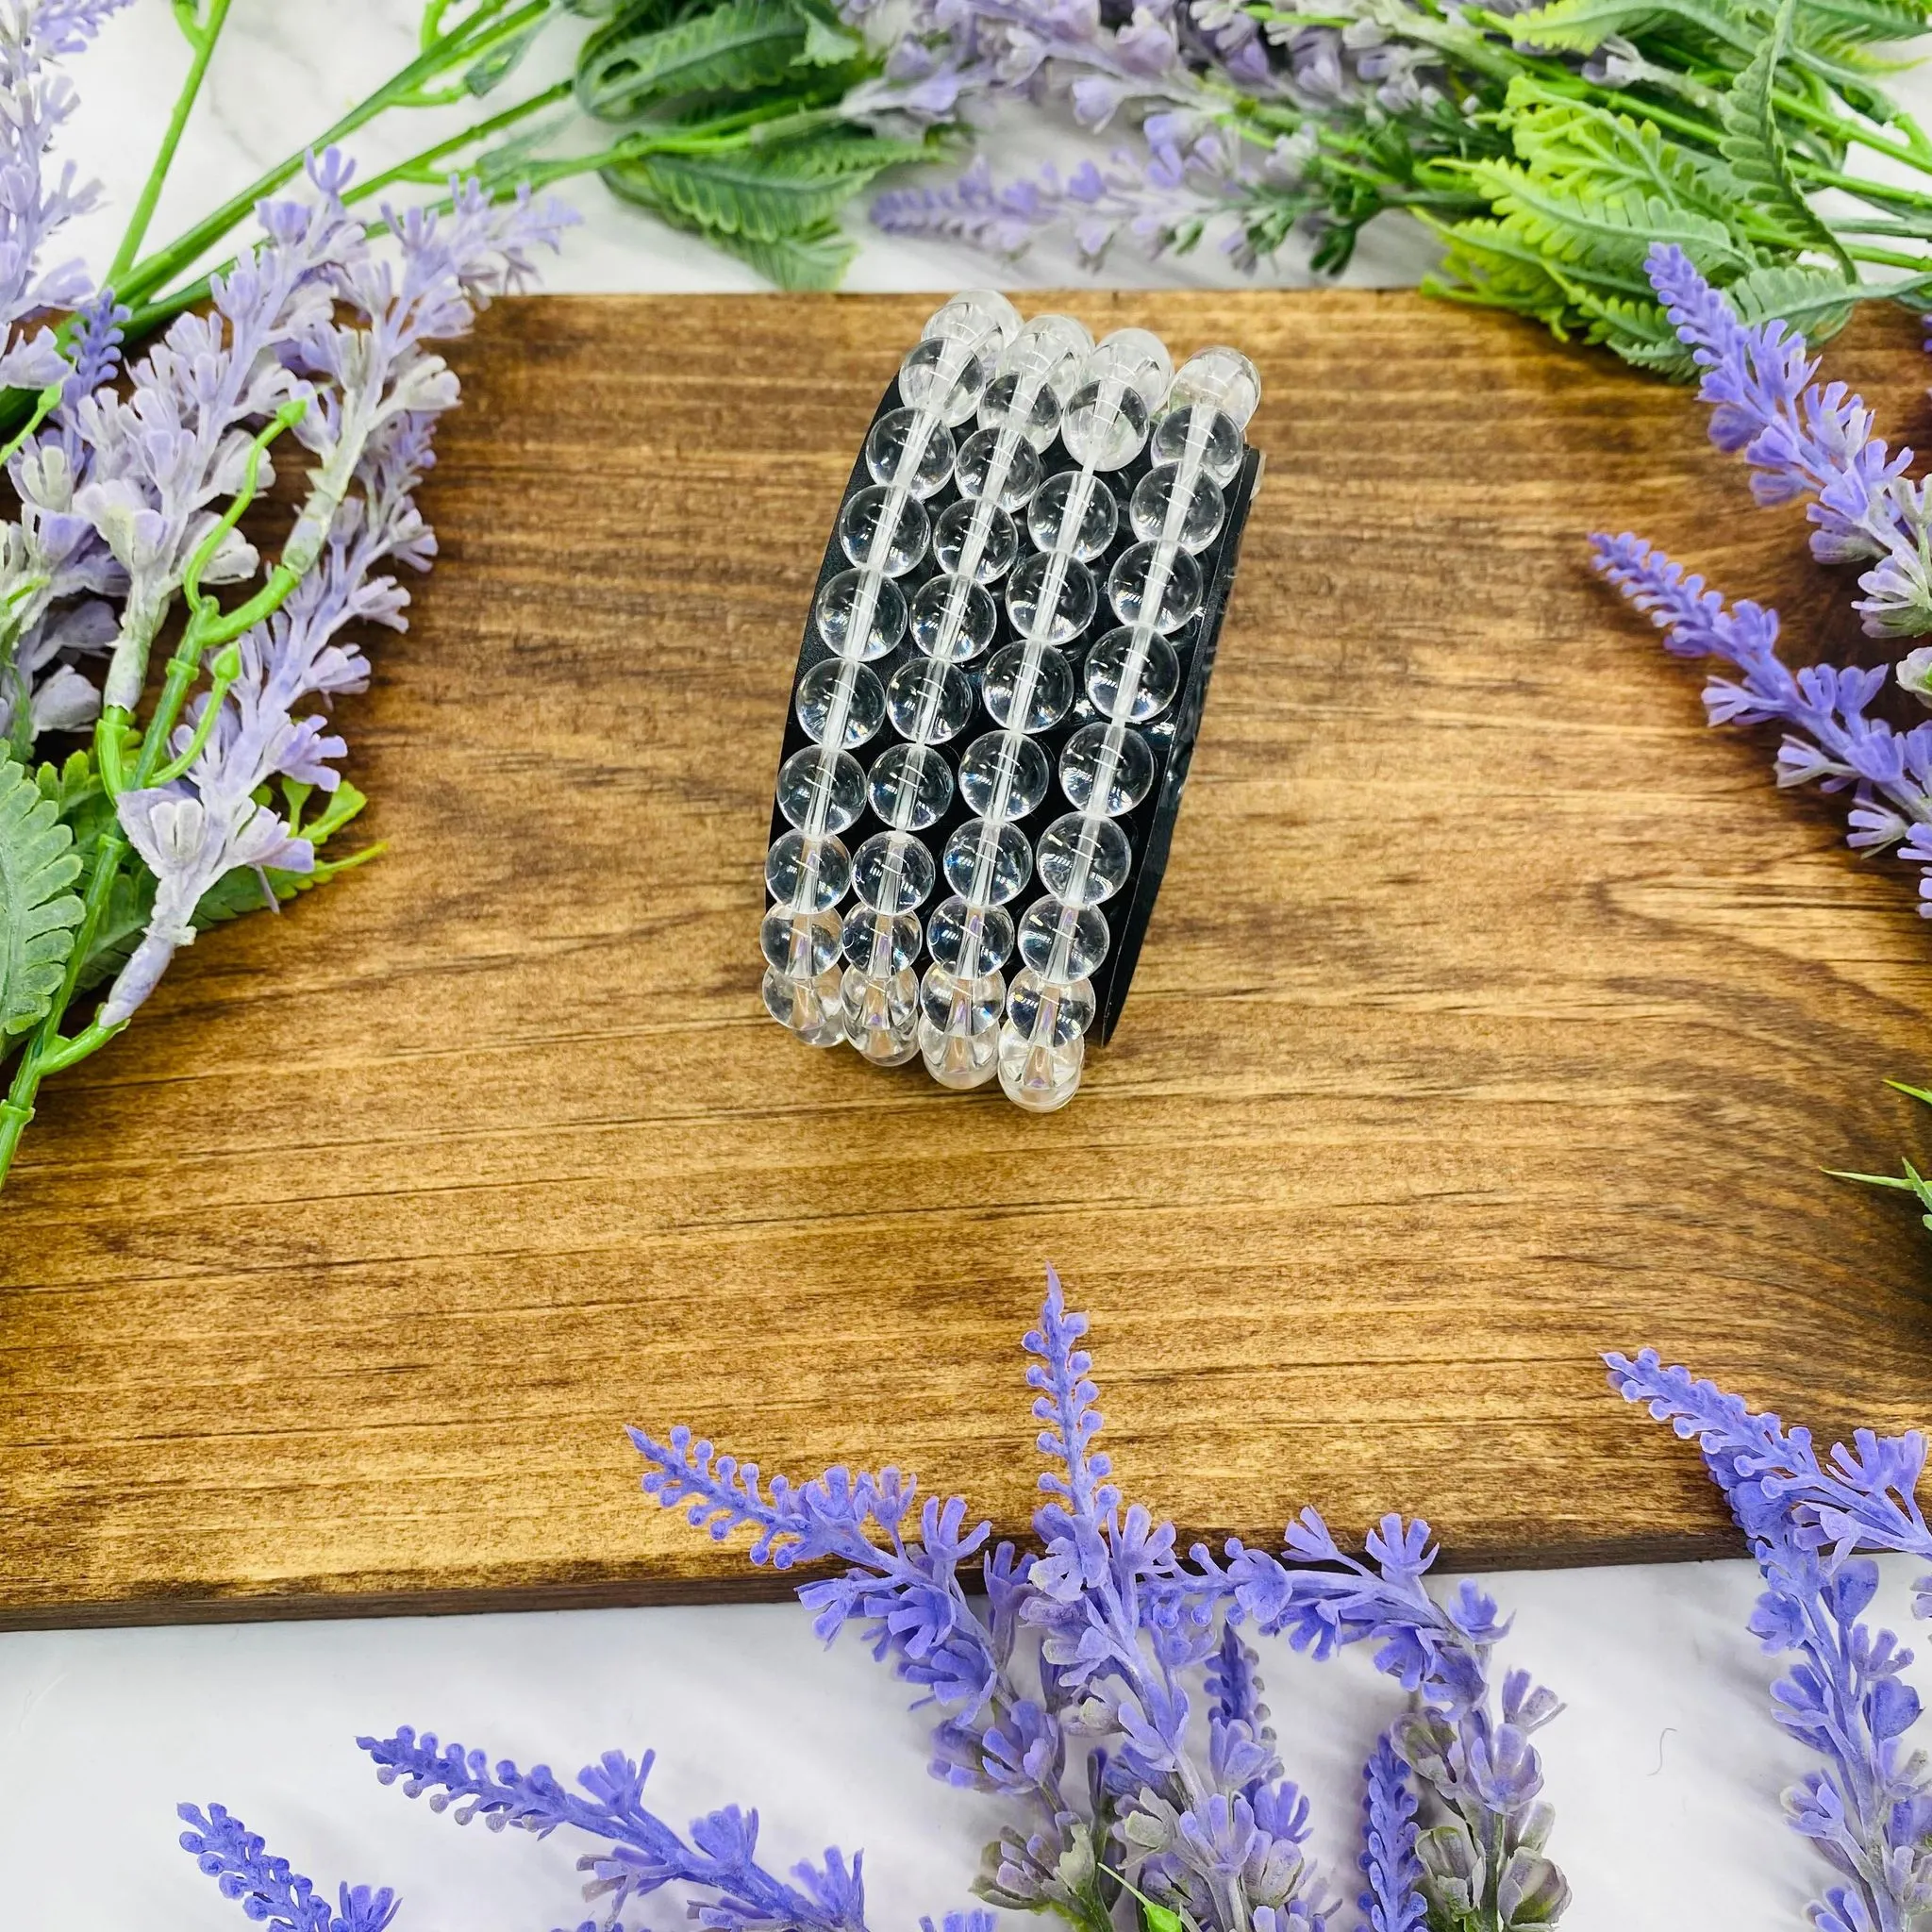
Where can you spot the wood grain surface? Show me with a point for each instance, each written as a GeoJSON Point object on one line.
{"type": "Point", "coordinates": [1495, 1012]}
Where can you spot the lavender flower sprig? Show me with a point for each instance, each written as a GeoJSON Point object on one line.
{"type": "Point", "coordinates": [268, 1889]}
{"type": "Point", "coordinates": [1126, 1643]}
{"type": "Point", "coordinates": [1869, 1809]}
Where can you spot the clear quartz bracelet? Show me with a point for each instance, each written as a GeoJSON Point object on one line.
{"type": "Point", "coordinates": [1015, 477]}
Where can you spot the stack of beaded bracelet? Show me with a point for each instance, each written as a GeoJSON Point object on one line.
{"type": "Point", "coordinates": [1057, 416]}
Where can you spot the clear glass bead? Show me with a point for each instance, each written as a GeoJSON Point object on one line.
{"type": "Point", "coordinates": [1198, 524]}
{"type": "Point", "coordinates": [957, 928]}
{"type": "Point", "coordinates": [820, 692]}
{"type": "Point", "coordinates": [1040, 1078]}
{"type": "Point", "coordinates": [866, 539]}
{"type": "Point", "coordinates": [1103, 426]}
{"type": "Point", "coordinates": [1002, 776]}
{"type": "Point", "coordinates": [1046, 520]}
{"type": "Point", "coordinates": [1037, 423]}
{"type": "Point", "coordinates": [973, 469]}
{"type": "Point", "coordinates": [1223, 377]}
{"type": "Point", "coordinates": [882, 1015]}
{"type": "Point", "coordinates": [1040, 610]}
{"type": "Point", "coordinates": [1048, 693]}
{"type": "Point", "coordinates": [807, 875]}
{"type": "Point", "coordinates": [1050, 349]}
{"type": "Point", "coordinates": [958, 639]}
{"type": "Point", "coordinates": [930, 702]}
{"type": "Point", "coordinates": [1134, 570]}
{"type": "Point", "coordinates": [880, 941]}
{"type": "Point", "coordinates": [833, 781]}
{"type": "Point", "coordinates": [891, 873]}
{"type": "Point", "coordinates": [987, 862]}
{"type": "Point", "coordinates": [1215, 438]}
{"type": "Point", "coordinates": [1106, 769]}
{"type": "Point", "coordinates": [939, 376]}
{"type": "Point", "coordinates": [1049, 925]}
{"type": "Point", "coordinates": [1052, 1012]}
{"type": "Point", "coordinates": [813, 1008]}
{"type": "Point", "coordinates": [983, 317]}
{"type": "Point", "coordinates": [1083, 861]}
{"type": "Point", "coordinates": [888, 453]}
{"type": "Point", "coordinates": [800, 944]}
{"type": "Point", "coordinates": [911, 785]}
{"type": "Point", "coordinates": [1146, 680]}
{"type": "Point", "coordinates": [859, 615]}
{"type": "Point", "coordinates": [959, 1026]}
{"type": "Point", "coordinates": [999, 542]}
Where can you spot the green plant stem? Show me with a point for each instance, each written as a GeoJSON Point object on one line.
{"type": "Point", "coordinates": [404, 88]}
{"type": "Point", "coordinates": [416, 168]}
{"type": "Point", "coordinates": [203, 45]}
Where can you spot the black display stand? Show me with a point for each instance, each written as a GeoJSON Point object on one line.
{"type": "Point", "coordinates": [1171, 737]}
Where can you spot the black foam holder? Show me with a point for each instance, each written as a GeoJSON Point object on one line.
{"type": "Point", "coordinates": [1171, 736]}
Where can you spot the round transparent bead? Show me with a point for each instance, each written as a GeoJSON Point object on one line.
{"type": "Point", "coordinates": [836, 613]}
{"type": "Point", "coordinates": [911, 785]}
{"type": "Point", "coordinates": [1199, 522]}
{"type": "Point", "coordinates": [1049, 924]}
{"type": "Point", "coordinates": [1040, 1078]}
{"type": "Point", "coordinates": [1046, 520]}
{"type": "Point", "coordinates": [988, 864]}
{"type": "Point", "coordinates": [959, 1026]}
{"type": "Point", "coordinates": [930, 702]}
{"type": "Point", "coordinates": [1127, 585]}
{"type": "Point", "coordinates": [967, 634]}
{"type": "Point", "coordinates": [814, 1008]}
{"type": "Point", "coordinates": [941, 376]}
{"type": "Point", "coordinates": [800, 945]}
{"type": "Point", "coordinates": [980, 316]}
{"type": "Point", "coordinates": [1137, 356]}
{"type": "Point", "coordinates": [999, 542]}
{"type": "Point", "coordinates": [807, 875]}
{"type": "Point", "coordinates": [1055, 1011]}
{"type": "Point", "coordinates": [1103, 426]}
{"type": "Point", "coordinates": [1036, 423]}
{"type": "Point", "coordinates": [1057, 618]}
{"type": "Point", "coordinates": [891, 873]}
{"type": "Point", "coordinates": [1002, 776]}
{"type": "Point", "coordinates": [1050, 349]}
{"type": "Point", "coordinates": [972, 469]}
{"type": "Point", "coordinates": [876, 941]}
{"type": "Point", "coordinates": [1049, 692]}
{"type": "Point", "coordinates": [1106, 769]}
{"type": "Point", "coordinates": [1223, 377]}
{"type": "Point", "coordinates": [1215, 436]}
{"type": "Point", "coordinates": [957, 928]}
{"type": "Point", "coordinates": [888, 450]}
{"type": "Point", "coordinates": [1083, 861]}
{"type": "Point", "coordinates": [819, 693]}
{"type": "Point", "coordinates": [882, 1015]}
{"type": "Point", "coordinates": [839, 791]}
{"type": "Point", "coordinates": [1128, 684]}
{"type": "Point", "coordinates": [866, 539]}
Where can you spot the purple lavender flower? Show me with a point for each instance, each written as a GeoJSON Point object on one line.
{"type": "Point", "coordinates": [1830, 740]}
{"type": "Point", "coordinates": [1869, 1811]}
{"type": "Point", "coordinates": [1393, 1901]}
{"type": "Point", "coordinates": [268, 1890]}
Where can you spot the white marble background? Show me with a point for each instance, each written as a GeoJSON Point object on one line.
{"type": "Point", "coordinates": [1665, 1768]}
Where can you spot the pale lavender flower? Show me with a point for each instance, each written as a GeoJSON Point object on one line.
{"type": "Point", "coordinates": [1869, 1810]}
{"type": "Point", "coordinates": [378, 391]}
{"type": "Point", "coordinates": [1830, 740]}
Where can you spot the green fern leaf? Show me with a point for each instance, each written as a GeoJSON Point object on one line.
{"type": "Point", "coordinates": [1755, 149]}
{"type": "Point", "coordinates": [1596, 150]}
{"type": "Point", "coordinates": [761, 194]}
{"type": "Point", "coordinates": [1858, 21]}
{"type": "Point", "coordinates": [733, 48]}
{"type": "Point", "coordinates": [1816, 301]}
{"type": "Point", "coordinates": [1581, 27]}
{"type": "Point", "coordinates": [37, 913]}
{"type": "Point", "coordinates": [815, 260]}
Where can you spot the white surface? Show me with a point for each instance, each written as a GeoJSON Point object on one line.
{"type": "Point", "coordinates": [1665, 1769]}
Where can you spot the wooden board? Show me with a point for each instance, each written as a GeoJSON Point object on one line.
{"type": "Point", "coordinates": [1495, 1012]}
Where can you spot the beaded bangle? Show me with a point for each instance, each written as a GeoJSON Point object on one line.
{"type": "Point", "coordinates": [1067, 434]}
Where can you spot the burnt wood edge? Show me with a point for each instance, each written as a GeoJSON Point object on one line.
{"type": "Point", "coordinates": [307, 1601]}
